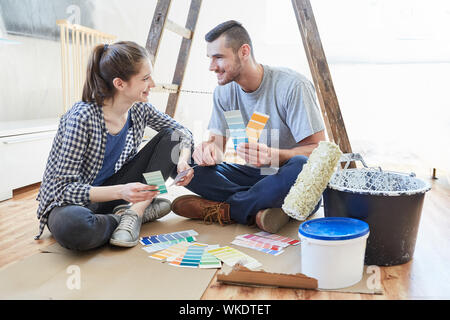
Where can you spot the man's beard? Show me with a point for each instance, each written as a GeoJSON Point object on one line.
{"type": "Point", "coordinates": [234, 74]}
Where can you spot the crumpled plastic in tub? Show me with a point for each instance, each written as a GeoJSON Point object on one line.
{"type": "Point", "coordinates": [374, 181]}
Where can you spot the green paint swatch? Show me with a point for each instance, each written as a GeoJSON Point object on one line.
{"type": "Point", "coordinates": [156, 178]}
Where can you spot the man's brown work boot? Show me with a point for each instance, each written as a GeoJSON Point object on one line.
{"type": "Point", "coordinates": [195, 207]}
{"type": "Point", "coordinates": [271, 220]}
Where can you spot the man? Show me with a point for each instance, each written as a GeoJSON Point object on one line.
{"type": "Point", "coordinates": [244, 193]}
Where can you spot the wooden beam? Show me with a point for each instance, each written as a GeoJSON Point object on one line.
{"type": "Point", "coordinates": [183, 56]}
{"type": "Point", "coordinates": [157, 28]}
{"type": "Point", "coordinates": [321, 75]}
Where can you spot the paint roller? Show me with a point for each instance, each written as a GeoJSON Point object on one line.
{"type": "Point", "coordinates": [312, 181]}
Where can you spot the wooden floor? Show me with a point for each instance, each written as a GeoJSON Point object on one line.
{"type": "Point", "coordinates": [427, 276]}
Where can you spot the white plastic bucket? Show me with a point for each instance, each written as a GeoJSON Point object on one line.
{"type": "Point", "coordinates": [333, 251]}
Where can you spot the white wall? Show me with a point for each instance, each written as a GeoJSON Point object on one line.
{"type": "Point", "coordinates": [30, 79]}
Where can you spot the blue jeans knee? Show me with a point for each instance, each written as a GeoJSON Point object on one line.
{"type": "Point", "coordinates": [77, 228]}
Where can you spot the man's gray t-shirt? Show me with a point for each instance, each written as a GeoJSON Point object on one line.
{"type": "Point", "coordinates": [285, 95]}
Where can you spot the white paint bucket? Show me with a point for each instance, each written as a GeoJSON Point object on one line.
{"type": "Point", "coordinates": [333, 250]}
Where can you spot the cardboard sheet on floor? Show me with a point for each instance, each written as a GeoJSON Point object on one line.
{"type": "Point", "coordinates": [128, 273]}
{"type": "Point", "coordinates": [111, 272]}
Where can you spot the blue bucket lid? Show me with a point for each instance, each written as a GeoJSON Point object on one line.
{"type": "Point", "coordinates": [334, 228]}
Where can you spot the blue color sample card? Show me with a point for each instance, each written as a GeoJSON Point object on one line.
{"type": "Point", "coordinates": [191, 257]}
{"type": "Point", "coordinates": [237, 127]}
{"type": "Point", "coordinates": [167, 237]}
{"type": "Point", "coordinates": [154, 247]}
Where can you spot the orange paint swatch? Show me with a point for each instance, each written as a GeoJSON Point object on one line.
{"type": "Point", "coordinates": [172, 251]}
{"type": "Point", "coordinates": [256, 125]}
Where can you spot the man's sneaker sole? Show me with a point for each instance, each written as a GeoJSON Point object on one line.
{"type": "Point", "coordinates": [123, 244]}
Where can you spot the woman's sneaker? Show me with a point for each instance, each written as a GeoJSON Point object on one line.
{"type": "Point", "coordinates": [121, 208]}
{"type": "Point", "coordinates": [156, 210]}
{"type": "Point", "coordinates": [127, 232]}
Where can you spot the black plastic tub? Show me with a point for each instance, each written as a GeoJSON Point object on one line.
{"type": "Point", "coordinates": [390, 202]}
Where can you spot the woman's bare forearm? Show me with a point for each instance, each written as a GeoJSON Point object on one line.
{"type": "Point", "coordinates": [107, 193]}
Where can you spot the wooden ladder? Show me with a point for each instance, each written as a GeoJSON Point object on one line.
{"type": "Point", "coordinates": [161, 22]}
{"type": "Point", "coordinates": [321, 75]}
{"type": "Point", "coordinates": [311, 41]}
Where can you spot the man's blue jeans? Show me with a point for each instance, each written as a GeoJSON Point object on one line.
{"type": "Point", "coordinates": [244, 188]}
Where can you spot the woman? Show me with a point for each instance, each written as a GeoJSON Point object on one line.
{"type": "Point", "coordinates": [92, 191]}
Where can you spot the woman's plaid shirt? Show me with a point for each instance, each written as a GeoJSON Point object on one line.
{"type": "Point", "coordinates": [78, 148]}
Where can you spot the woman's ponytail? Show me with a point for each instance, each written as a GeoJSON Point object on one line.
{"type": "Point", "coordinates": [95, 88]}
{"type": "Point", "coordinates": [119, 60]}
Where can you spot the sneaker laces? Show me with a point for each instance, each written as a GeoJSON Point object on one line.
{"type": "Point", "coordinates": [151, 212]}
{"type": "Point", "coordinates": [212, 214]}
{"type": "Point", "coordinates": [127, 221]}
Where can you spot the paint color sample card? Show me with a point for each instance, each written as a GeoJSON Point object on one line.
{"type": "Point", "coordinates": [156, 178]}
{"type": "Point", "coordinates": [256, 125]}
{"type": "Point", "coordinates": [231, 256]}
{"type": "Point", "coordinates": [181, 175]}
{"type": "Point", "coordinates": [167, 237]}
{"type": "Point", "coordinates": [164, 245]}
{"type": "Point", "coordinates": [263, 247]}
{"type": "Point", "coordinates": [209, 261]}
{"type": "Point", "coordinates": [276, 237]}
{"type": "Point", "coordinates": [172, 251]}
{"type": "Point", "coordinates": [237, 127]}
{"type": "Point", "coordinates": [256, 238]}
{"type": "Point", "coordinates": [191, 258]}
